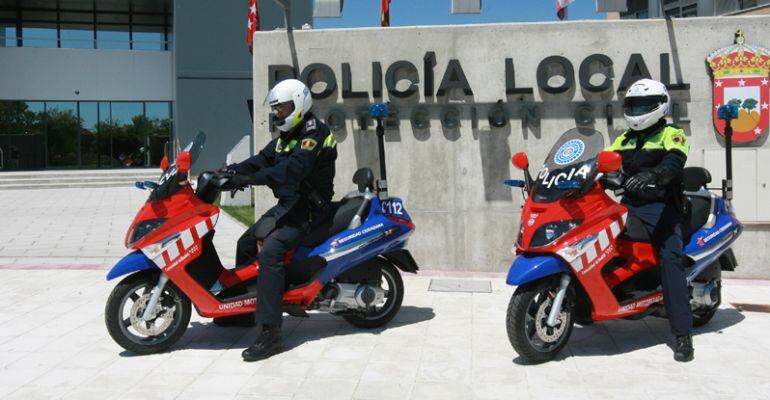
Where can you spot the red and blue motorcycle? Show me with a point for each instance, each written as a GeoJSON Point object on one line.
{"type": "Point", "coordinates": [349, 266]}
{"type": "Point", "coordinates": [580, 258]}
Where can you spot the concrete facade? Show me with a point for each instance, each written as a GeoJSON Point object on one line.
{"type": "Point", "coordinates": [451, 178]}
{"type": "Point", "coordinates": [85, 74]}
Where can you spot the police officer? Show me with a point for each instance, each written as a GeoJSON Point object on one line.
{"type": "Point", "coordinates": [298, 166]}
{"type": "Point", "coordinates": [654, 154]}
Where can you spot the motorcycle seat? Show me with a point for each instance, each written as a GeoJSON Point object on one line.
{"type": "Point", "coordinates": [695, 178]}
{"type": "Point", "coordinates": [342, 212]}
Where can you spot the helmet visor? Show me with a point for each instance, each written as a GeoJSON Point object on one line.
{"type": "Point", "coordinates": [636, 106]}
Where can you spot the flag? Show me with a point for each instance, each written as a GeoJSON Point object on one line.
{"type": "Point", "coordinates": [253, 22]}
{"type": "Point", "coordinates": [561, 8]}
{"type": "Point", "coordinates": [385, 15]}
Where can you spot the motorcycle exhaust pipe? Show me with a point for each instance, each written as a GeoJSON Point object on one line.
{"type": "Point", "coordinates": [558, 300]}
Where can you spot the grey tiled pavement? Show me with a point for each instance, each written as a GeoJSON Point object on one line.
{"type": "Point", "coordinates": [55, 247]}
{"type": "Point", "coordinates": [80, 226]}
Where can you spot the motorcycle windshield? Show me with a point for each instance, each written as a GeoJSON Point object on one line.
{"type": "Point", "coordinates": [570, 165]}
{"type": "Point", "coordinates": [168, 182]}
{"type": "Point", "coordinates": [195, 147]}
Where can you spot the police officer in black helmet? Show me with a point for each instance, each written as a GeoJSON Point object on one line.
{"type": "Point", "coordinates": [298, 166]}
{"type": "Point", "coordinates": [654, 154]}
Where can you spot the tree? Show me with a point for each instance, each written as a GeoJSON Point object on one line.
{"type": "Point", "coordinates": [63, 128]}
{"type": "Point", "coordinates": [734, 102]}
{"type": "Point", "coordinates": [750, 104]}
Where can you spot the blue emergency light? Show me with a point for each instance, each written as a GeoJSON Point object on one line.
{"type": "Point", "coordinates": [727, 112]}
{"type": "Point", "coordinates": [378, 110]}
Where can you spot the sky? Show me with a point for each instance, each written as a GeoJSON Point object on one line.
{"type": "Point", "coordinates": [366, 13]}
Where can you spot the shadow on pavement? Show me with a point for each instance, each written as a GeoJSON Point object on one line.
{"type": "Point", "coordinates": [618, 337]}
{"type": "Point", "coordinates": [207, 336]}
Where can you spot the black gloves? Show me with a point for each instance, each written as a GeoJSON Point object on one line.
{"type": "Point", "coordinates": [640, 181]}
{"type": "Point", "coordinates": [238, 181]}
{"type": "Point", "coordinates": [229, 169]}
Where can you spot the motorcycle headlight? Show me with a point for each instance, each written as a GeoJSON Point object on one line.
{"type": "Point", "coordinates": [551, 231]}
{"type": "Point", "coordinates": [154, 250]}
{"type": "Point", "coordinates": [143, 228]}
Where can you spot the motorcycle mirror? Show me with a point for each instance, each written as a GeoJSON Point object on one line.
{"type": "Point", "coordinates": [520, 160]}
{"type": "Point", "coordinates": [164, 163]}
{"type": "Point", "coordinates": [183, 162]}
{"type": "Point", "coordinates": [609, 161]}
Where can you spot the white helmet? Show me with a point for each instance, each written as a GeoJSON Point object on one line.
{"type": "Point", "coordinates": [291, 90]}
{"type": "Point", "coordinates": [646, 102]}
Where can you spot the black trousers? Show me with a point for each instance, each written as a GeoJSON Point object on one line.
{"type": "Point", "coordinates": [281, 230]}
{"type": "Point", "coordinates": [664, 222]}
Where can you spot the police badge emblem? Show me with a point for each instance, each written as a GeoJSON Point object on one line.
{"type": "Point", "coordinates": [740, 77]}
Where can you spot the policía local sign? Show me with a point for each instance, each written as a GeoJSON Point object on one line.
{"type": "Point", "coordinates": [741, 77]}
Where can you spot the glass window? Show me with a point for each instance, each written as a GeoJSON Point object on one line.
{"type": "Point", "coordinates": [62, 127]}
{"type": "Point", "coordinates": [91, 155]}
{"type": "Point", "coordinates": [672, 12]}
{"type": "Point", "coordinates": [43, 35]}
{"type": "Point", "coordinates": [159, 115]}
{"type": "Point", "coordinates": [148, 38]}
{"type": "Point", "coordinates": [106, 128]}
{"type": "Point", "coordinates": [76, 5]}
{"type": "Point", "coordinates": [129, 141]}
{"type": "Point", "coordinates": [112, 37]}
{"type": "Point", "coordinates": [744, 4]}
{"type": "Point", "coordinates": [22, 135]}
{"type": "Point", "coordinates": [112, 5]}
{"type": "Point", "coordinates": [148, 19]}
{"type": "Point", "coordinates": [157, 110]}
{"type": "Point", "coordinates": [123, 112]}
{"type": "Point", "coordinates": [38, 15]}
{"type": "Point", "coordinates": [690, 11]}
{"type": "Point", "coordinates": [104, 18]}
{"type": "Point", "coordinates": [7, 34]}
{"type": "Point", "coordinates": [87, 18]}
{"type": "Point", "coordinates": [77, 36]}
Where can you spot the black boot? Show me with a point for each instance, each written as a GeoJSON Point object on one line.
{"type": "Point", "coordinates": [269, 343]}
{"type": "Point", "coordinates": [684, 351]}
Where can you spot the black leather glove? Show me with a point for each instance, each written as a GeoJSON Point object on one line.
{"type": "Point", "coordinates": [229, 169]}
{"type": "Point", "coordinates": [237, 182]}
{"type": "Point", "coordinates": [639, 182]}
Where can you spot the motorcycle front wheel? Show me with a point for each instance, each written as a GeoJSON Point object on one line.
{"type": "Point", "coordinates": [125, 308]}
{"type": "Point", "coordinates": [526, 320]}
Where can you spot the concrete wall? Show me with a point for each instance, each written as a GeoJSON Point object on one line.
{"type": "Point", "coordinates": [451, 179]}
{"type": "Point", "coordinates": [57, 74]}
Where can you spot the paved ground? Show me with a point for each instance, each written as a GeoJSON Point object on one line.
{"type": "Point", "coordinates": [81, 226]}
{"type": "Point", "coordinates": [53, 343]}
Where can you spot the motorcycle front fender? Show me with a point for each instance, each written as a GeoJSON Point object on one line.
{"type": "Point", "coordinates": [531, 267]}
{"type": "Point", "coordinates": [133, 262]}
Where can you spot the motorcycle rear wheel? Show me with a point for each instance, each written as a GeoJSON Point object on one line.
{"type": "Point", "coordinates": [526, 319]}
{"type": "Point", "coordinates": [125, 307]}
{"type": "Point", "coordinates": [703, 317]}
{"type": "Point", "coordinates": [381, 315]}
